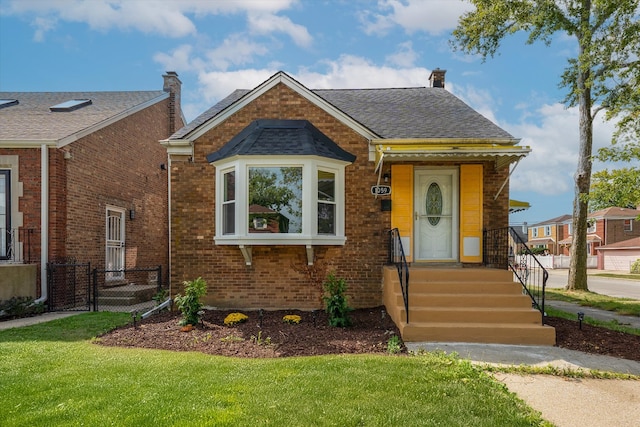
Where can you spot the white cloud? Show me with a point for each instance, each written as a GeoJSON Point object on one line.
{"type": "Point", "coordinates": [404, 57]}
{"type": "Point", "coordinates": [430, 16]}
{"type": "Point", "coordinates": [169, 18]}
{"type": "Point", "coordinates": [235, 50]}
{"type": "Point", "coordinates": [266, 23]}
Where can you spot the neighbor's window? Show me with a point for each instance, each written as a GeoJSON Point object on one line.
{"type": "Point", "coordinates": [275, 200]}
{"type": "Point", "coordinates": [5, 212]}
{"type": "Point", "coordinates": [591, 226]}
{"type": "Point", "coordinates": [534, 232]}
{"type": "Point", "coordinates": [628, 225]}
{"type": "Point", "coordinates": [547, 230]}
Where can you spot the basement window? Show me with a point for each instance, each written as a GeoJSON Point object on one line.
{"type": "Point", "coordinates": [8, 102]}
{"type": "Point", "coordinates": [71, 105]}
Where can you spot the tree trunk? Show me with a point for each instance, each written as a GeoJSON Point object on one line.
{"type": "Point", "coordinates": [578, 266]}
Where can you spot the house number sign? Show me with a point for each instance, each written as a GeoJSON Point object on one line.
{"type": "Point", "coordinates": [381, 190]}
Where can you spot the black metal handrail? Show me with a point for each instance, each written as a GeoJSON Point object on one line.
{"type": "Point", "coordinates": [19, 245]}
{"type": "Point", "coordinates": [503, 248]}
{"type": "Point", "coordinates": [398, 258]}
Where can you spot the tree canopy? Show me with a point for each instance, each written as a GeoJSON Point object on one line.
{"type": "Point", "coordinates": [603, 75]}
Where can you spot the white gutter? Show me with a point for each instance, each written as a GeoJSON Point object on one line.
{"type": "Point", "coordinates": [44, 221]}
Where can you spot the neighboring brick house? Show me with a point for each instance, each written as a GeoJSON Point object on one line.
{"type": "Point", "coordinates": [606, 227]}
{"type": "Point", "coordinates": [83, 178]}
{"type": "Point", "coordinates": [319, 153]}
{"type": "Point", "coordinates": [547, 235]}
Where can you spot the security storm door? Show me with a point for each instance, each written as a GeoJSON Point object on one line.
{"type": "Point", "coordinates": [115, 244]}
{"type": "Point", "coordinates": [436, 215]}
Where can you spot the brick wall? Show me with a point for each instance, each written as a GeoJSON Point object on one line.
{"type": "Point", "coordinates": [276, 278]}
{"type": "Point", "coordinates": [118, 166]}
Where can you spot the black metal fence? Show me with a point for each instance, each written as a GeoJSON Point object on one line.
{"type": "Point", "coordinates": [69, 286]}
{"type": "Point", "coordinates": [75, 286]}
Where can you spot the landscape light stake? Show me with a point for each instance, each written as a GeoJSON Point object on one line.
{"type": "Point", "coordinates": [580, 318]}
{"type": "Point", "coordinates": [134, 315]}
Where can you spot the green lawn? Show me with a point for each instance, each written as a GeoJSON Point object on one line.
{"type": "Point", "coordinates": [52, 374]}
{"type": "Point", "coordinates": [624, 306]}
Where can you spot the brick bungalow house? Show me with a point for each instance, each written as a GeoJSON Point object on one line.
{"type": "Point", "coordinates": [605, 227]}
{"type": "Point", "coordinates": [313, 156]}
{"type": "Point", "coordinates": [82, 177]}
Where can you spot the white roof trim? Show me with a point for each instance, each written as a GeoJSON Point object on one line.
{"type": "Point", "coordinates": [284, 78]}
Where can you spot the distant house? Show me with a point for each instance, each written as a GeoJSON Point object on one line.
{"type": "Point", "coordinates": [83, 179]}
{"type": "Point", "coordinates": [606, 227]}
{"type": "Point", "coordinates": [546, 235]}
{"type": "Point", "coordinates": [620, 255]}
{"type": "Point", "coordinates": [346, 167]}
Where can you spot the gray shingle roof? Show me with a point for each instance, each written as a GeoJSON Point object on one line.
{"type": "Point", "coordinates": [31, 119]}
{"type": "Point", "coordinates": [418, 112]}
{"type": "Point", "coordinates": [281, 137]}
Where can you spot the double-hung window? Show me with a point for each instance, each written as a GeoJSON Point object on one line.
{"type": "Point", "coordinates": [5, 214]}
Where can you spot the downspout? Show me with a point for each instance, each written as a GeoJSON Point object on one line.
{"type": "Point", "coordinates": [169, 220]}
{"type": "Point", "coordinates": [44, 221]}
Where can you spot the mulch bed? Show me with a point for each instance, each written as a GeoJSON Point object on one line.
{"type": "Point", "coordinates": [267, 336]}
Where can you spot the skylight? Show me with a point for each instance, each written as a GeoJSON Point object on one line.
{"type": "Point", "coordinates": [72, 104]}
{"type": "Point", "coordinates": [8, 102]}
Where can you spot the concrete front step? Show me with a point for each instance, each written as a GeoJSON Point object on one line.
{"type": "Point", "coordinates": [127, 295]}
{"type": "Point", "coordinates": [495, 333]}
{"type": "Point", "coordinates": [466, 300]}
{"type": "Point", "coordinates": [473, 315]}
{"type": "Point", "coordinates": [478, 305]}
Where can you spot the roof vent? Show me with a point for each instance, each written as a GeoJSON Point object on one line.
{"type": "Point", "coordinates": [72, 104]}
{"type": "Point", "coordinates": [8, 102]}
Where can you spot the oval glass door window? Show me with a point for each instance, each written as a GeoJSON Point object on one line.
{"type": "Point", "coordinates": [434, 204]}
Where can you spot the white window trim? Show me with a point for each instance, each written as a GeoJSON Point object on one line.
{"type": "Point", "coordinates": [547, 230]}
{"type": "Point", "coordinates": [309, 236]}
{"type": "Point", "coordinates": [629, 227]}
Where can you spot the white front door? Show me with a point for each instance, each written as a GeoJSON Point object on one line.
{"type": "Point", "coordinates": [115, 244]}
{"type": "Point", "coordinates": [436, 215]}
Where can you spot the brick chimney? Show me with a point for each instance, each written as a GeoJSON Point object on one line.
{"type": "Point", "coordinates": [172, 84]}
{"type": "Point", "coordinates": [437, 78]}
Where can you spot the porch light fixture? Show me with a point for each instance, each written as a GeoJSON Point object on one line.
{"type": "Point", "coordinates": [386, 177]}
{"type": "Point", "coordinates": [132, 214]}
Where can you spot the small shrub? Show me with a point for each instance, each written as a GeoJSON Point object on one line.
{"type": "Point", "coordinates": [635, 267]}
{"type": "Point", "coordinates": [231, 339]}
{"type": "Point", "coordinates": [161, 296]}
{"type": "Point", "coordinates": [259, 341]}
{"type": "Point", "coordinates": [293, 319]}
{"type": "Point", "coordinates": [336, 302]}
{"type": "Point", "coordinates": [17, 307]}
{"type": "Point", "coordinates": [235, 318]}
{"type": "Point", "coordinates": [394, 345]}
{"type": "Point", "coordinates": [190, 305]}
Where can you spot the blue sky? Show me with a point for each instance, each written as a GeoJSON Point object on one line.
{"type": "Point", "coordinates": [217, 46]}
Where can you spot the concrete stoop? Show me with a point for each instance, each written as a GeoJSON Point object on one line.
{"type": "Point", "coordinates": [475, 305]}
{"type": "Point", "coordinates": [126, 295]}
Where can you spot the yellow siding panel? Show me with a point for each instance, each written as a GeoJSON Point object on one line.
{"type": "Point", "coordinates": [402, 204]}
{"type": "Point", "coordinates": [471, 213]}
